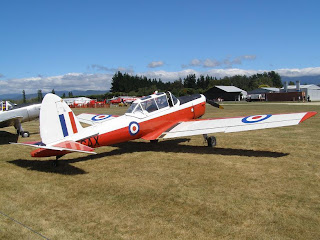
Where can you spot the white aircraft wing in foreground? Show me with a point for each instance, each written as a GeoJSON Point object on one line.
{"type": "Point", "coordinates": [237, 124]}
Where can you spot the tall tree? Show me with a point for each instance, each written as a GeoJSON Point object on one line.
{"type": "Point", "coordinates": [53, 91]}
{"type": "Point", "coordinates": [40, 96]}
{"type": "Point", "coordinates": [190, 81]}
{"type": "Point", "coordinates": [276, 79]}
{"type": "Point", "coordinates": [24, 100]}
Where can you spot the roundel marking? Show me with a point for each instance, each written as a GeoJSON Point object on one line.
{"type": "Point", "coordinates": [134, 128]}
{"type": "Point", "coordinates": [256, 118]}
{"type": "Point", "coordinates": [100, 117]}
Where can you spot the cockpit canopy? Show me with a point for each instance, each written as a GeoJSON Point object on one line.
{"type": "Point", "coordinates": [153, 103]}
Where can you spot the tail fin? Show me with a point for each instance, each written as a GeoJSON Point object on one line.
{"type": "Point", "coordinates": [57, 121]}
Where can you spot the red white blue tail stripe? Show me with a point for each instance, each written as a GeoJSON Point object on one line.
{"type": "Point", "coordinates": [64, 125]}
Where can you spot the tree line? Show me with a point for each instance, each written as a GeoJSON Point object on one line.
{"type": "Point", "coordinates": [126, 84]}
{"type": "Point", "coordinates": [39, 97]}
{"type": "Point", "coordinates": [141, 85]}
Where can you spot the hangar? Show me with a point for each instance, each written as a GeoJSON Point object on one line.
{"type": "Point", "coordinates": [226, 93]}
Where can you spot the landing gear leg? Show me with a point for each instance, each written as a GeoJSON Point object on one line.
{"type": "Point", "coordinates": [211, 141]}
{"type": "Point", "coordinates": [20, 130]}
{"type": "Point", "coordinates": [56, 162]}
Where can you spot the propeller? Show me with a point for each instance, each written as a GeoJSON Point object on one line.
{"type": "Point", "coordinates": [214, 104]}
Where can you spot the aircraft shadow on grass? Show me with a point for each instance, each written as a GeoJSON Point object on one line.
{"type": "Point", "coordinates": [6, 137]}
{"type": "Point", "coordinates": [168, 146]}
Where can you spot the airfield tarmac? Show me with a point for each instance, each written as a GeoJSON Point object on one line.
{"type": "Point", "coordinates": [261, 184]}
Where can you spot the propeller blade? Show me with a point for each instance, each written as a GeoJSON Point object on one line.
{"type": "Point", "coordinates": [214, 104]}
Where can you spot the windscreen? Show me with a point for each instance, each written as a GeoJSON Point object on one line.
{"type": "Point", "coordinates": [132, 107]}
{"type": "Point", "coordinates": [162, 101]}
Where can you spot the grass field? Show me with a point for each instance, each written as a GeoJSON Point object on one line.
{"type": "Point", "coordinates": [261, 184]}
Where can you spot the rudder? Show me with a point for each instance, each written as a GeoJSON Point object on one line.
{"type": "Point", "coordinates": [57, 121]}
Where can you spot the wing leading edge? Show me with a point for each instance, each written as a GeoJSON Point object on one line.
{"type": "Point", "coordinates": [238, 124]}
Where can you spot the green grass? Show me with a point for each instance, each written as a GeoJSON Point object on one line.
{"type": "Point", "coordinates": [261, 184]}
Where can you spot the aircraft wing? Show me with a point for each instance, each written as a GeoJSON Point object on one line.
{"type": "Point", "coordinates": [9, 121]}
{"type": "Point", "coordinates": [92, 119]}
{"type": "Point", "coordinates": [238, 124]}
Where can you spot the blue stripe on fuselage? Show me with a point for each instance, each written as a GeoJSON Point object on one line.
{"type": "Point", "coordinates": [63, 125]}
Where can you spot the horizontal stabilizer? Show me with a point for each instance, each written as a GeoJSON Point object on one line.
{"type": "Point", "coordinates": [70, 146]}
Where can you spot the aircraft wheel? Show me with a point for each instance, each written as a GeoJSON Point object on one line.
{"type": "Point", "coordinates": [25, 134]}
{"type": "Point", "coordinates": [212, 141]}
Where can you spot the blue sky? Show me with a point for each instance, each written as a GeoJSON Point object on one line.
{"type": "Point", "coordinates": [79, 44]}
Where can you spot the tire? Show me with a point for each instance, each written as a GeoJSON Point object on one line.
{"type": "Point", "coordinates": [25, 134]}
{"type": "Point", "coordinates": [212, 141]}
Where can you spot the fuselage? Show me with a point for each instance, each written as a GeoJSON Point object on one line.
{"type": "Point", "coordinates": [148, 126]}
{"type": "Point", "coordinates": [25, 114]}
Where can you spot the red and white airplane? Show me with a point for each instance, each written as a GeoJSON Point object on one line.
{"type": "Point", "coordinates": [158, 116]}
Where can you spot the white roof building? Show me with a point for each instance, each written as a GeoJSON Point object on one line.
{"type": "Point", "coordinates": [312, 91]}
{"type": "Point", "coordinates": [228, 93]}
{"type": "Point", "coordinates": [232, 89]}
{"type": "Point", "coordinates": [78, 100]}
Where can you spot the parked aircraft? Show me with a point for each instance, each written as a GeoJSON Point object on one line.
{"type": "Point", "coordinates": [123, 99]}
{"type": "Point", "coordinates": [158, 116]}
{"type": "Point", "coordinates": [14, 117]}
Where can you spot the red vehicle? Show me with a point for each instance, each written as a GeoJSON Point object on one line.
{"type": "Point", "coordinates": [123, 99]}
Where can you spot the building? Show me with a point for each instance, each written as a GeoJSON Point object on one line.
{"type": "Point", "coordinates": [310, 91]}
{"type": "Point", "coordinates": [259, 94]}
{"type": "Point", "coordinates": [264, 90]}
{"type": "Point", "coordinates": [226, 93]}
{"type": "Point", "coordinates": [79, 101]}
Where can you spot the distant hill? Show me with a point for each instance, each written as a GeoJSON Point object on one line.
{"type": "Point", "coordinates": [18, 96]}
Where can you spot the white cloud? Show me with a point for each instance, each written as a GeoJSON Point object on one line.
{"type": "Point", "coordinates": [212, 63]}
{"type": "Point", "coordinates": [155, 64]}
{"type": "Point", "coordinates": [299, 72]}
{"type": "Point", "coordinates": [102, 81]}
{"type": "Point", "coordinates": [195, 62]}
{"type": "Point", "coordinates": [99, 67]}
{"type": "Point", "coordinates": [219, 73]}
{"type": "Point", "coordinates": [168, 76]}
{"type": "Point", "coordinates": [249, 57]}
{"type": "Point", "coordinates": [70, 81]}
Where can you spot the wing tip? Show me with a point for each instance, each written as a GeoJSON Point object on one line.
{"type": "Point", "coordinates": [308, 115]}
